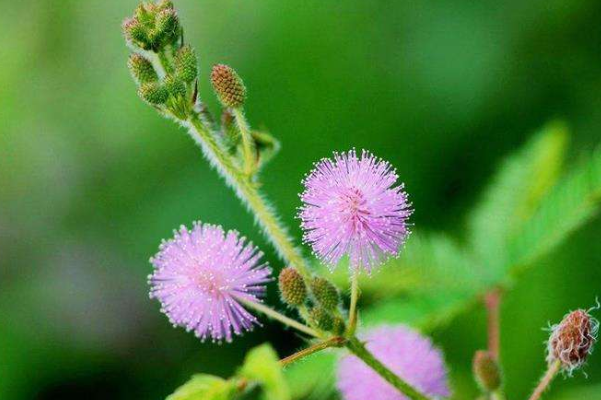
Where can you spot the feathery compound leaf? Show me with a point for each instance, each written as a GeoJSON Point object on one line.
{"type": "Point", "coordinates": [429, 262]}
{"type": "Point", "coordinates": [574, 201]}
{"type": "Point", "coordinates": [205, 387]}
{"type": "Point", "coordinates": [262, 365]}
{"type": "Point", "coordinates": [522, 181]}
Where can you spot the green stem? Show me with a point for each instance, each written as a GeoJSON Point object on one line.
{"type": "Point", "coordinates": [546, 380]}
{"type": "Point", "coordinates": [332, 342]}
{"type": "Point", "coordinates": [264, 214]}
{"type": "Point", "coordinates": [352, 326]}
{"type": "Point", "coordinates": [359, 349]}
{"type": "Point", "coordinates": [270, 312]}
{"type": "Point", "coordinates": [164, 61]}
{"type": "Point", "coordinates": [248, 148]}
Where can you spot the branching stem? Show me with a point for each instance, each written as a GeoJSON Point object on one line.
{"type": "Point", "coordinates": [336, 341]}
{"type": "Point", "coordinates": [270, 312]}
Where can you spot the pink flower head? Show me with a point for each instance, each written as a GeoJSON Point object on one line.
{"type": "Point", "coordinates": [351, 207]}
{"type": "Point", "coordinates": [407, 354]}
{"type": "Point", "coordinates": [202, 275]}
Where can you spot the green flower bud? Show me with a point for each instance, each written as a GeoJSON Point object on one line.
{"type": "Point", "coordinates": [486, 371]}
{"type": "Point", "coordinates": [186, 64]}
{"type": "Point", "coordinates": [228, 86]}
{"type": "Point", "coordinates": [167, 28]}
{"type": "Point", "coordinates": [175, 86]}
{"type": "Point", "coordinates": [153, 93]}
{"type": "Point", "coordinates": [292, 287]}
{"type": "Point", "coordinates": [141, 69]}
{"type": "Point", "coordinates": [339, 326]}
{"type": "Point", "coordinates": [322, 318]}
{"type": "Point", "coordinates": [325, 293]}
{"type": "Point", "coordinates": [136, 33]}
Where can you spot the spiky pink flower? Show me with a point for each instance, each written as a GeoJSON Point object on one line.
{"type": "Point", "coordinates": [352, 207]}
{"type": "Point", "coordinates": [203, 275]}
{"type": "Point", "coordinates": [406, 353]}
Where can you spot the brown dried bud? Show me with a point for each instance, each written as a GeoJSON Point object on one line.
{"type": "Point", "coordinates": [228, 86]}
{"type": "Point", "coordinates": [292, 287]}
{"type": "Point", "coordinates": [572, 340]}
{"type": "Point", "coordinates": [486, 371]}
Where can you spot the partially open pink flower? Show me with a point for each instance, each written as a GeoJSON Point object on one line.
{"type": "Point", "coordinates": [352, 207]}
{"type": "Point", "coordinates": [202, 275]}
{"type": "Point", "coordinates": [406, 353]}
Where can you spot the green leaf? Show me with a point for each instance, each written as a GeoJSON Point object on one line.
{"type": "Point", "coordinates": [573, 202]}
{"type": "Point", "coordinates": [262, 365]}
{"type": "Point", "coordinates": [204, 387]}
{"type": "Point", "coordinates": [304, 381]}
{"type": "Point", "coordinates": [583, 392]}
{"type": "Point", "coordinates": [516, 192]}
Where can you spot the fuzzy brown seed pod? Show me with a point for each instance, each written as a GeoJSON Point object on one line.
{"type": "Point", "coordinates": [572, 340]}
{"type": "Point", "coordinates": [486, 371]}
{"type": "Point", "coordinates": [228, 86]}
{"type": "Point", "coordinates": [292, 287]}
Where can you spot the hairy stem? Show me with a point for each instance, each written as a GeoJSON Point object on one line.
{"type": "Point", "coordinates": [336, 341]}
{"type": "Point", "coordinates": [493, 306]}
{"type": "Point", "coordinates": [546, 380]}
{"type": "Point", "coordinates": [250, 158]}
{"type": "Point", "coordinates": [270, 312]}
{"type": "Point", "coordinates": [359, 350]}
{"type": "Point", "coordinates": [352, 326]}
{"type": "Point", "coordinates": [264, 214]}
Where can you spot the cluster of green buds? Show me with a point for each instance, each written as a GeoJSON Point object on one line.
{"type": "Point", "coordinates": [163, 67]}
{"type": "Point", "coordinates": [166, 72]}
{"type": "Point", "coordinates": [317, 302]}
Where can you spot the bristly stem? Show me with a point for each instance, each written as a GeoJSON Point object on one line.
{"type": "Point", "coordinates": [250, 158]}
{"type": "Point", "coordinates": [359, 350]}
{"type": "Point", "coordinates": [264, 214]}
{"type": "Point", "coordinates": [352, 326]}
{"type": "Point", "coordinates": [493, 307]}
{"type": "Point", "coordinates": [546, 380]}
{"type": "Point", "coordinates": [270, 312]}
{"type": "Point", "coordinates": [336, 341]}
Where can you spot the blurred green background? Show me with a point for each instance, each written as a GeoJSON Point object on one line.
{"type": "Point", "coordinates": [91, 178]}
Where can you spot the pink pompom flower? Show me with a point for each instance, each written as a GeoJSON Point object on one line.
{"type": "Point", "coordinates": [406, 353]}
{"type": "Point", "coordinates": [352, 207]}
{"type": "Point", "coordinates": [203, 275]}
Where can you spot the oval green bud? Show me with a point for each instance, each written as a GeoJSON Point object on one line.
{"type": "Point", "coordinates": [322, 318]}
{"type": "Point", "coordinates": [153, 93]}
{"type": "Point", "coordinates": [325, 293]}
{"type": "Point", "coordinates": [166, 28]}
{"type": "Point", "coordinates": [186, 64]}
{"type": "Point", "coordinates": [292, 287]}
{"type": "Point", "coordinates": [228, 86]}
{"type": "Point", "coordinates": [136, 34]}
{"type": "Point", "coordinates": [141, 69]}
{"type": "Point", "coordinates": [486, 371]}
{"type": "Point", "coordinates": [339, 325]}
{"type": "Point", "coordinates": [175, 86]}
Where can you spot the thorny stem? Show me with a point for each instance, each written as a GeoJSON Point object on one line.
{"type": "Point", "coordinates": [270, 312]}
{"type": "Point", "coordinates": [247, 142]}
{"type": "Point", "coordinates": [493, 306]}
{"type": "Point", "coordinates": [358, 349]}
{"type": "Point", "coordinates": [354, 298]}
{"type": "Point", "coordinates": [264, 214]}
{"type": "Point", "coordinates": [546, 380]}
{"type": "Point", "coordinates": [336, 341]}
